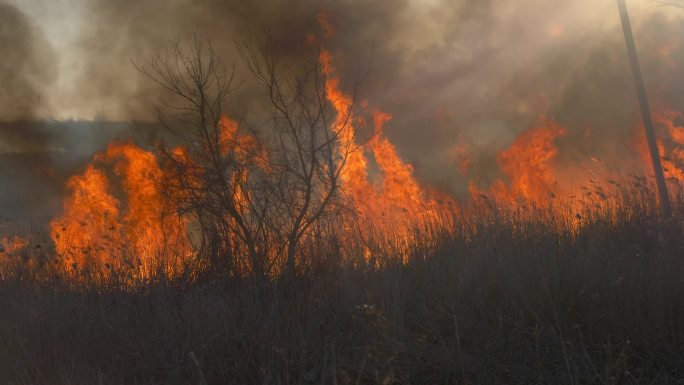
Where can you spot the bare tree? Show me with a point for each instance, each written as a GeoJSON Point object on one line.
{"type": "Point", "coordinates": [204, 178]}
{"type": "Point", "coordinates": [308, 156]}
{"type": "Point", "coordinates": [254, 195]}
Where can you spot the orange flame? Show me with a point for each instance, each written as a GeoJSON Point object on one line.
{"type": "Point", "coordinates": [395, 204]}
{"type": "Point", "coordinates": [151, 224]}
{"type": "Point", "coordinates": [88, 232]}
{"type": "Point", "coordinates": [399, 189]}
{"type": "Point", "coordinates": [93, 233]}
{"type": "Point", "coordinates": [12, 245]}
{"type": "Point", "coordinates": [671, 146]}
{"type": "Point", "coordinates": [354, 173]}
{"type": "Point", "coordinates": [528, 164]}
{"type": "Point", "coordinates": [670, 140]}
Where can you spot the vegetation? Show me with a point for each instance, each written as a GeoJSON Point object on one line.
{"type": "Point", "coordinates": [519, 301]}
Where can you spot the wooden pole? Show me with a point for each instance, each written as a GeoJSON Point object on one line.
{"type": "Point", "coordinates": [645, 109]}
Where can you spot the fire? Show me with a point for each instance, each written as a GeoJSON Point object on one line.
{"type": "Point", "coordinates": [354, 173]}
{"type": "Point", "coordinates": [396, 203]}
{"type": "Point", "coordinates": [228, 129]}
{"type": "Point", "coordinates": [12, 245]}
{"type": "Point", "coordinates": [243, 146]}
{"type": "Point", "coordinates": [399, 189]}
{"type": "Point", "coordinates": [88, 233]}
{"type": "Point", "coordinates": [120, 214]}
{"type": "Point", "coordinates": [671, 146]}
{"type": "Point", "coordinates": [94, 231]}
{"type": "Point", "coordinates": [152, 226]}
{"type": "Point", "coordinates": [669, 126]}
{"type": "Point", "coordinates": [528, 164]}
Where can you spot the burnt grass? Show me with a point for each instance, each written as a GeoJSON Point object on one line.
{"type": "Point", "coordinates": [517, 303]}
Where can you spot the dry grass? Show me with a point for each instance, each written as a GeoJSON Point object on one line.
{"type": "Point", "coordinates": [505, 299]}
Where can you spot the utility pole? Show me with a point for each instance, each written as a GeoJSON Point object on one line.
{"type": "Point", "coordinates": [645, 109]}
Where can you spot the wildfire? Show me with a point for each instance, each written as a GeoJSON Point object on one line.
{"type": "Point", "coordinates": [119, 214]}
{"type": "Point", "coordinates": [399, 188]}
{"type": "Point", "coordinates": [354, 173]}
{"type": "Point", "coordinates": [671, 144]}
{"type": "Point", "coordinates": [528, 165]}
{"type": "Point", "coordinates": [12, 245]}
{"type": "Point", "coordinates": [397, 193]}
{"type": "Point", "coordinates": [93, 231]}
{"type": "Point", "coordinates": [241, 145]}
{"type": "Point", "coordinates": [395, 204]}
{"type": "Point", "coordinates": [88, 232]}
{"type": "Point", "coordinates": [670, 140]}
{"type": "Point", "coordinates": [135, 223]}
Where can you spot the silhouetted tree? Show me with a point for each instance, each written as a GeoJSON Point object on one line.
{"type": "Point", "coordinates": [254, 194]}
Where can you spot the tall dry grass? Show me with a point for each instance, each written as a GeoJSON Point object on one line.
{"type": "Point", "coordinates": [509, 295]}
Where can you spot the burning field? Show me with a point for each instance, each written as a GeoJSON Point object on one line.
{"type": "Point", "coordinates": [348, 192]}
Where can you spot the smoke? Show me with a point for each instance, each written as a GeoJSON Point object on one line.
{"type": "Point", "coordinates": [26, 70]}
{"type": "Point", "coordinates": [33, 169]}
{"type": "Point", "coordinates": [450, 72]}
{"type": "Point", "coordinates": [27, 66]}
{"type": "Point", "coordinates": [455, 74]}
{"type": "Point", "coordinates": [118, 33]}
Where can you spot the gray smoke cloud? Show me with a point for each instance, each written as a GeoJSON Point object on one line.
{"type": "Point", "coordinates": [451, 72]}
{"type": "Point", "coordinates": [26, 70]}
{"type": "Point", "coordinates": [124, 31]}
{"type": "Point", "coordinates": [27, 65]}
